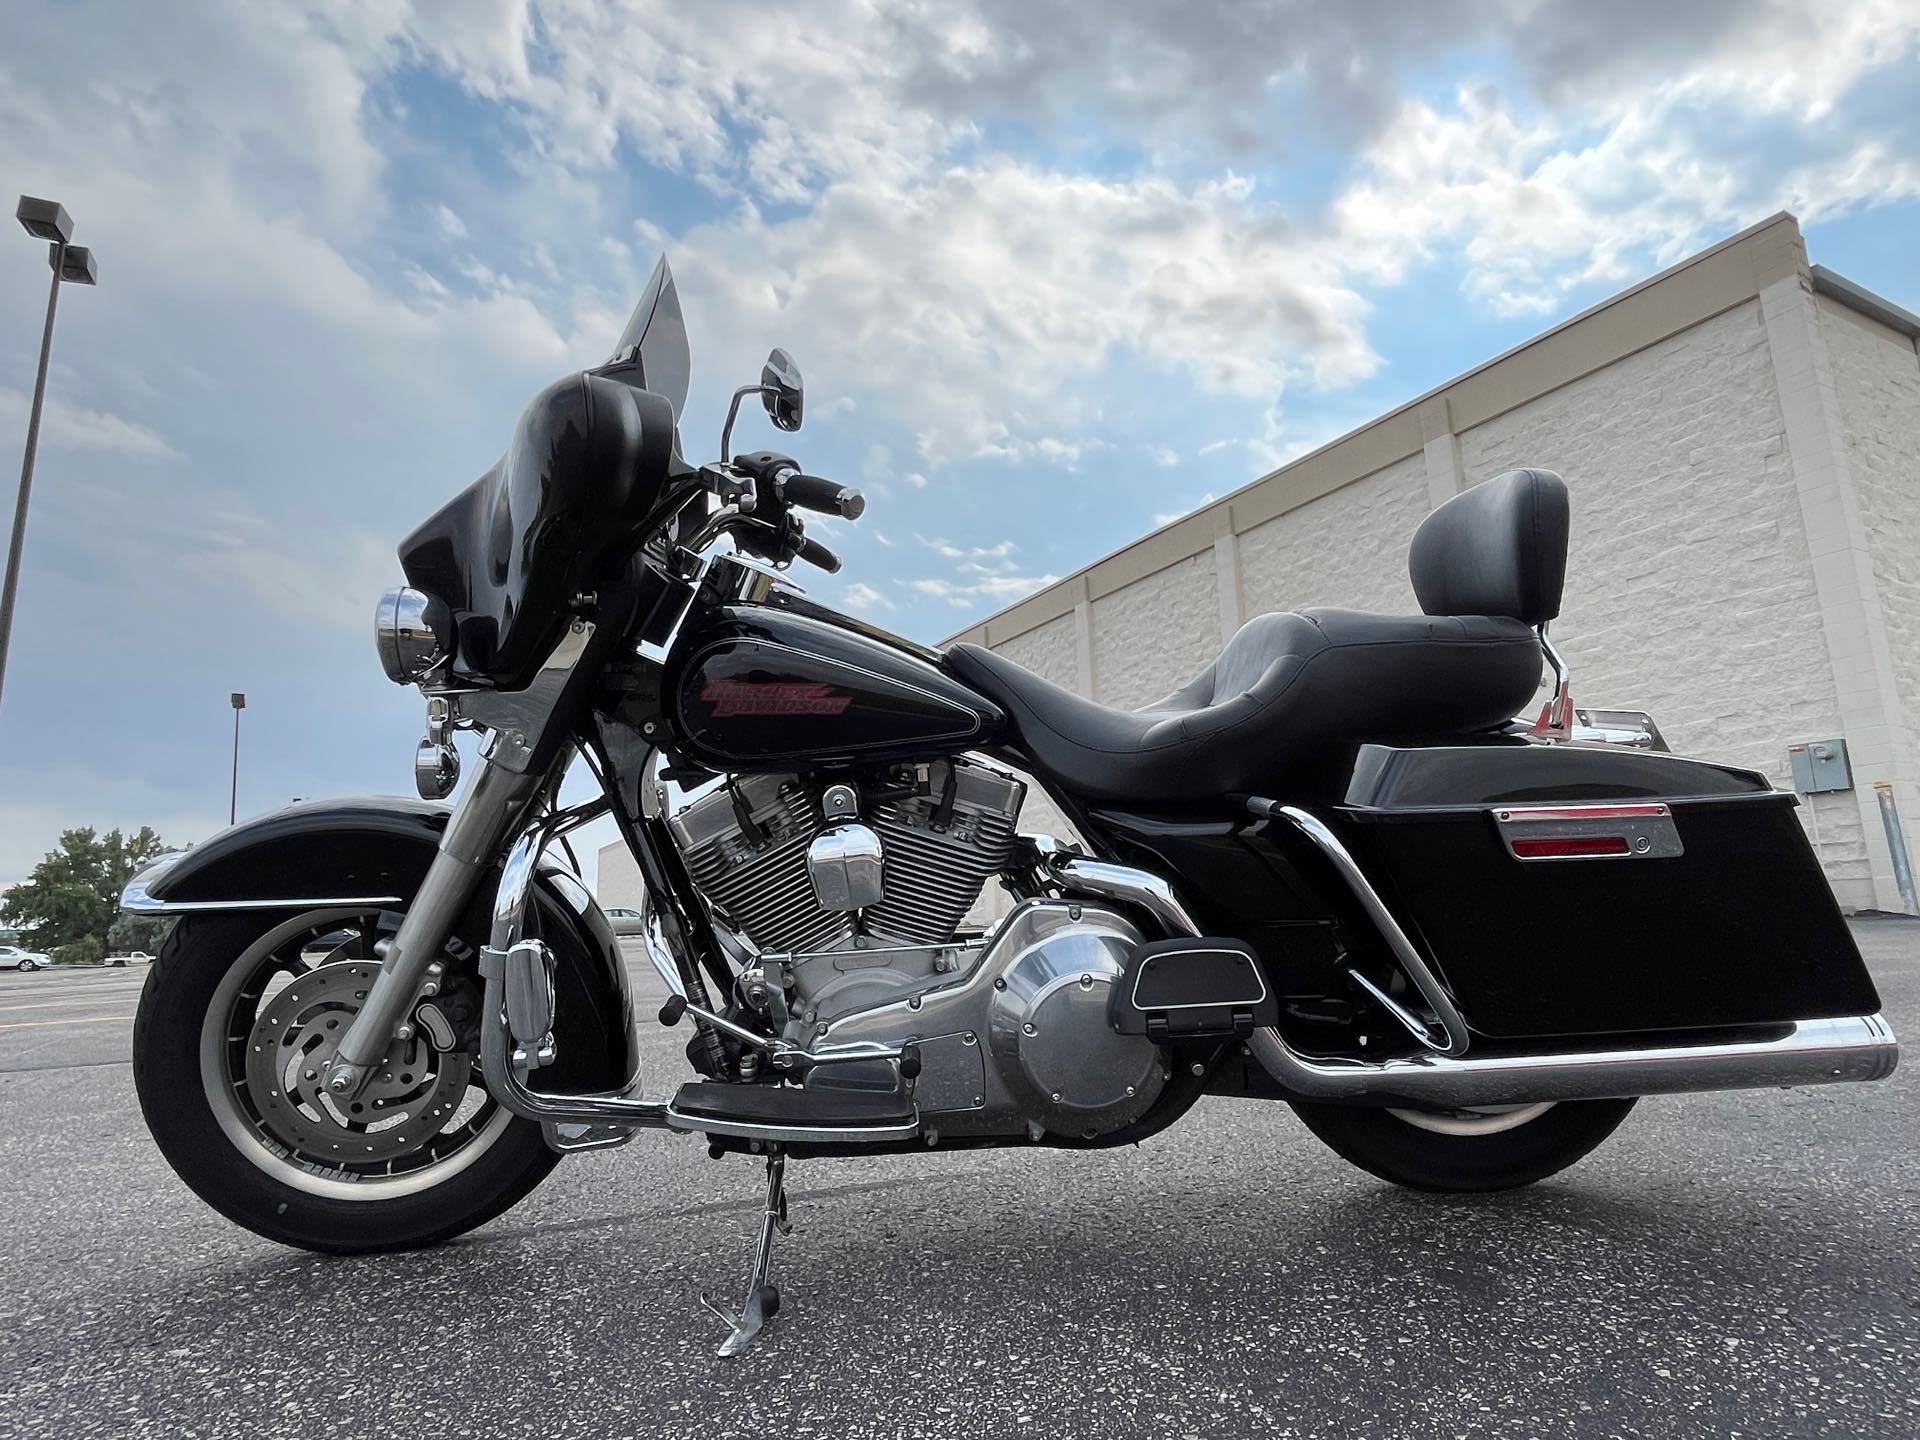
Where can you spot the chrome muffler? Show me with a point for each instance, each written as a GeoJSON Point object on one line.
{"type": "Point", "coordinates": [1811, 1052]}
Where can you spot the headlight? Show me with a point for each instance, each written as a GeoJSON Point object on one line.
{"type": "Point", "coordinates": [403, 628]}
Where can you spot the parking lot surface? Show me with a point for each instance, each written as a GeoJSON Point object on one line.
{"type": "Point", "coordinates": [1741, 1264]}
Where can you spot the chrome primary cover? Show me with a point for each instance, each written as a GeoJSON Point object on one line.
{"type": "Point", "coordinates": [1022, 1039]}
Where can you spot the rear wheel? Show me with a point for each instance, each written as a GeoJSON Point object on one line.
{"type": "Point", "coordinates": [238, 1019]}
{"type": "Point", "coordinates": [1488, 1148]}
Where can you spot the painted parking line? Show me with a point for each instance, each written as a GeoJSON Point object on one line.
{"type": "Point", "coordinates": [39, 1005]}
{"type": "Point", "coordinates": [77, 1020]}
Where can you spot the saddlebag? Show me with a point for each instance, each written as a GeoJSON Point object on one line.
{"type": "Point", "coordinates": [1580, 889]}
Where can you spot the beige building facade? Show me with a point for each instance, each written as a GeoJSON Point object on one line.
{"type": "Point", "coordinates": [1741, 437]}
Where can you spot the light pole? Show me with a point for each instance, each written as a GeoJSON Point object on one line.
{"type": "Point", "coordinates": [233, 799]}
{"type": "Point", "coordinates": [72, 264]}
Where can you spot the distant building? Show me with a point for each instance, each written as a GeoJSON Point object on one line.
{"type": "Point", "coordinates": [1741, 435]}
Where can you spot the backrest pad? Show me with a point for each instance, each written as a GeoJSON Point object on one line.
{"type": "Point", "coordinates": [1497, 549]}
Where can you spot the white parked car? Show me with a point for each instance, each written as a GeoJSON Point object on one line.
{"type": "Point", "coordinates": [625, 921]}
{"type": "Point", "coordinates": [12, 957]}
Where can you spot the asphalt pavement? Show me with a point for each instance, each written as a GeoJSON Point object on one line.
{"type": "Point", "coordinates": [1740, 1264]}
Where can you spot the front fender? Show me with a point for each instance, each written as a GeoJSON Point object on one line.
{"type": "Point", "coordinates": [374, 851]}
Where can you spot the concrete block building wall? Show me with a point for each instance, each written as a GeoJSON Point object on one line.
{"type": "Point", "coordinates": [1690, 587]}
{"type": "Point", "coordinates": [1741, 435]}
{"type": "Point", "coordinates": [1877, 373]}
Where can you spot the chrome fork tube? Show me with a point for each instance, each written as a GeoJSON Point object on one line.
{"type": "Point", "coordinates": [494, 806]}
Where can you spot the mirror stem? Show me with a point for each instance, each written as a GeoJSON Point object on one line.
{"type": "Point", "coordinates": [733, 410]}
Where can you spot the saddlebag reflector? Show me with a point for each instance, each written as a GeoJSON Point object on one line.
{"type": "Point", "coordinates": [1592, 890]}
{"type": "Point", "coordinates": [1589, 832]}
{"type": "Point", "coordinates": [1192, 988]}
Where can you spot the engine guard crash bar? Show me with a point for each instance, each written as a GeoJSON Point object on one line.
{"type": "Point", "coordinates": [1806, 1052]}
{"type": "Point", "coordinates": [507, 1059]}
{"type": "Point", "coordinates": [506, 1064]}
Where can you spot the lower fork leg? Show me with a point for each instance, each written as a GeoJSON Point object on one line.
{"type": "Point", "coordinates": [763, 1300]}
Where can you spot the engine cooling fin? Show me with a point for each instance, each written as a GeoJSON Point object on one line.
{"type": "Point", "coordinates": [939, 853]}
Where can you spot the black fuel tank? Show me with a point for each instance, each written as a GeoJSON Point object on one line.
{"type": "Point", "coordinates": [762, 687]}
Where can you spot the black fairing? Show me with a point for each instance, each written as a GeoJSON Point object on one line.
{"type": "Point", "coordinates": [760, 687]}
{"type": "Point", "coordinates": [382, 845]}
{"type": "Point", "coordinates": [575, 492]}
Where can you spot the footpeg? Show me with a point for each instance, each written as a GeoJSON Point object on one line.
{"type": "Point", "coordinates": [527, 969]}
{"type": "Point", "coordinates": [789, 1115]}
{"type": "Point", "coordinates": [1192, 989]}
{"type": "Point", "coordinates": [763, 1300]}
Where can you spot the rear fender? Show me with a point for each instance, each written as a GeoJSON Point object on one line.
{"type": "Point", "coordinates": [375, 851]}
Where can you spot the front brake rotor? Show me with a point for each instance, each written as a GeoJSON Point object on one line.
{"type": "Point", "coordinates": [410, 1099]}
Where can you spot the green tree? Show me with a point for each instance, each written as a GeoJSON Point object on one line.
{"type": "Point", "coordinates": [74, 893]}
{"type": "Point", "coordinates": [130, 932]}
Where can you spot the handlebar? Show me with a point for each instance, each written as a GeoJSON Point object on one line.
{"type": "Point", "coordinates": [777, 543]}
{"type": "Point", "coordinates": [758, 495]}
{"type": "Point", "coordinates": [828, 497]}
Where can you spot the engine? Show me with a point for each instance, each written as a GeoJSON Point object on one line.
{"type": "Point", "coordinates": [859, 885]}
{"type": "Point", "coordinates": [854, 895]}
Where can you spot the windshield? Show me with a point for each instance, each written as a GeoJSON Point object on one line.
{"type": "Point", "coordinates": [658, 333]}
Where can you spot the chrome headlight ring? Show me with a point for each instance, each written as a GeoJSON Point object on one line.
{"type": "Point", "coordinates": [404, 630]}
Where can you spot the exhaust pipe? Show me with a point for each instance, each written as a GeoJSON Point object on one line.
{"type": "Point", "coordinates": [1812, 1052]}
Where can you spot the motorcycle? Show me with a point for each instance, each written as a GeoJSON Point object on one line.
{"type": "Point", "coordinates": [1333, 870]}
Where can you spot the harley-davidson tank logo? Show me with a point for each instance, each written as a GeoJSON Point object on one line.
{"type": "Point", "coordinates": [774, 697]}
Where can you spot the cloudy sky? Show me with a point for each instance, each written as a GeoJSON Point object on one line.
{"type": "Point", "coordinates": [1054, 274]}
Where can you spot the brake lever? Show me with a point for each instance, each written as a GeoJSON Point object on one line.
{"type": "Point", "coordinates": [814, 553]}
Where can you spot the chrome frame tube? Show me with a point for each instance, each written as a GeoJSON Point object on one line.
{"type": "Point", "coordinates": [506, 1079]}
{"type": "Point", "coordinates": [1452, 1039]}
{"type": "Point", "coordinates": [1123, 882]}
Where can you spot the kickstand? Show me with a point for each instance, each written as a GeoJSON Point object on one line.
{"type": "Point", "coordinates": [763, 1300]}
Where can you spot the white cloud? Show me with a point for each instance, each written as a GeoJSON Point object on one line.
{"type": "Point", "coordinates": [988, 575]}
{"type": "Point", "coordinates": [1169, 516]}
{"type": "Point", "coordinates": [77, 427]}
{"type": "Point", "coordinates": [1009, 282]}
{"type": "Point", "coordinates": [860, 596]}
{"type": "Point", "coordinates": [992, 590]}
{"type": "Point", "coordinates": [329, 580]}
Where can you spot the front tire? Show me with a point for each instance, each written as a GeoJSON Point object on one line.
{"type": "Point", "coordinates": [1464, 1151]}
{"type": "Point", "coordinates": [254, 1142]}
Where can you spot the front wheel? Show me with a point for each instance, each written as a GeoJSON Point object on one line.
{"type": "Point", "coordinates": [238, 1019]}
{"type": "Point", "coordinates": [1493, 1148]}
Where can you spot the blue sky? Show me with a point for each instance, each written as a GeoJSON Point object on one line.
{"type": "Point", "coordinates": [1053, 273]}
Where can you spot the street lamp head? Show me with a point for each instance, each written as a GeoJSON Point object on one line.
{"type": "Point", "coordinates": [239, 700]}
{"type": "Point", "coordinates": [76, 264]}
{"type": "Point", "coordinates": [44, 219]}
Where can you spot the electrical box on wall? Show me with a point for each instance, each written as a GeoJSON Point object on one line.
{"type": "Point", "coordinates": [1820, 766]}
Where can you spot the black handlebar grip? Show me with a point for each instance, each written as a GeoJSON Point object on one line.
{"type": "Point", "coordinates": [814, 553]}
{"type": "Point", "coordinates": [829, 497]}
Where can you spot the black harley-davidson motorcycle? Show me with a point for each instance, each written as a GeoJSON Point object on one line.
{"type": "Point", "coordinates": [1332, 870]}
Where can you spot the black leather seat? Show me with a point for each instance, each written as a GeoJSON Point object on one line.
{"type": "Point", "coordinates": [1487, 567]}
